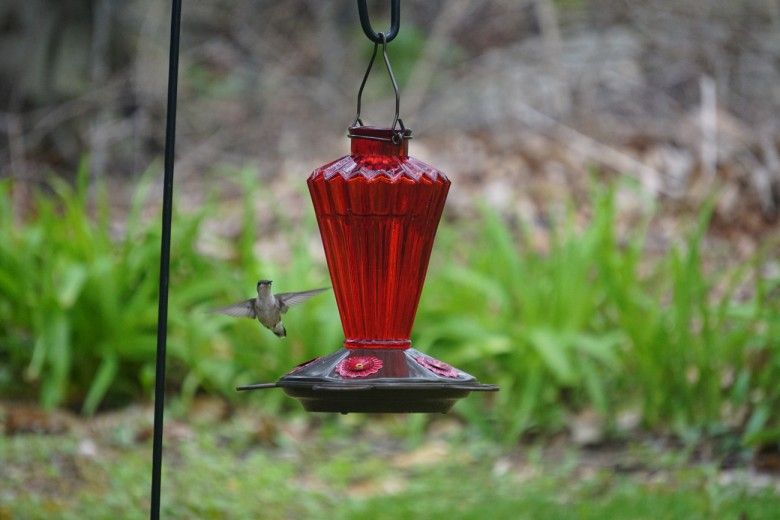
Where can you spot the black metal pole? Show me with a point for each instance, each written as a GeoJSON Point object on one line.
{"type": "Point", "coordinates": [165, 257]}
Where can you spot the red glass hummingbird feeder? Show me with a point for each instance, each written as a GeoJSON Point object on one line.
{"type": "Point", "coordinates": [378, 210]}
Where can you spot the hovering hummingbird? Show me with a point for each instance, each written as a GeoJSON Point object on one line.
{"type": "Point", "coordinates": [269, 307]}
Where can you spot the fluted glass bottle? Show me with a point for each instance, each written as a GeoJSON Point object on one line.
{"type": "Point", "coordinates": [377, 210]}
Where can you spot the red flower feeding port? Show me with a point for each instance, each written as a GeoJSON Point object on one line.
{"type": "Point", "coordinates": [378, 210]}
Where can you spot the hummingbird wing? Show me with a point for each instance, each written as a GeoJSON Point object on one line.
{"type": "Point", "coordinates": [287, 300]}
{"type": "Point", "coordinates": [245, 309]}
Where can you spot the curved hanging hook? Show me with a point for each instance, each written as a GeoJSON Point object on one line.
{"type": "Point", "coordinates": [401, 132]}
{"type": "Point", "coordinates": [395, 22]}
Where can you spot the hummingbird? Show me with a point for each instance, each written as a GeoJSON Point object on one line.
{"type": "Point", "coordinates": [268, 307]}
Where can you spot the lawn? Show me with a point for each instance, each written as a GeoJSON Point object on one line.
{"type": "Point", "coordinates": [253, 466]}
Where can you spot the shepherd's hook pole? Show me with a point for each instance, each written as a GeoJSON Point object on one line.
{"type": "Point", "coordinates": [165, 257]}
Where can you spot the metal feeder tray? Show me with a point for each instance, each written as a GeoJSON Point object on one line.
{"type": "Point", "coordinates": [405, 383]}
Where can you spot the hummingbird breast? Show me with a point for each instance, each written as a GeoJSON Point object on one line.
{"type": "Point", "coordinates": [268, 315]}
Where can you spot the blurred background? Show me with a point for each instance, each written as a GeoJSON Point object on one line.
{"type": "Point", "coordinates": [608, 255]}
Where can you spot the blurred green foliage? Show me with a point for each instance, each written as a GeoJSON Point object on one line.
{"type": "Point", "coordinates": [78, 303]}
{"type": "Point", "coordinates": [588, 323]}
{"type": "Point", "coordinates": [595, 323]}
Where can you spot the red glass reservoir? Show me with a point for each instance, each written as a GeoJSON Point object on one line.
{"type": "Point", "coordinates": [377, 210]}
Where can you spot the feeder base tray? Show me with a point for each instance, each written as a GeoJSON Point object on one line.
{"type": "Point", "coordinates": [396, 381]}
{"type": "Point", "coordinates": [381, 397]}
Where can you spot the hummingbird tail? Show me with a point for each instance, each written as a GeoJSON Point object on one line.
{"type": "Point", "coordinates": [279, 330]}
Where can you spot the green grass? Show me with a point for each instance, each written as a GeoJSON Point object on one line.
{"type": "Point", "coordinates": [224, 471]}
{"type": "Point", "coordinates": [589, 323]}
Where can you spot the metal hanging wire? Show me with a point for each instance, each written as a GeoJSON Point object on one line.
{"type": "Point", "coordinates": [399, 131]}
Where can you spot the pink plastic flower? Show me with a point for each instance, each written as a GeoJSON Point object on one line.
{"type": "Point", "coordinates": [305, 363]}
{"type": "Point", "coordinates": [359, 366]}
{"type": "Point", "coordinates": [440, 368]}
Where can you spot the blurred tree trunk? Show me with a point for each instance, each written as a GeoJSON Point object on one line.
{"type": "Point", "coordinates": [45, 48]}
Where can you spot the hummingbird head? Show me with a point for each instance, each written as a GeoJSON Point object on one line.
{"type": "Point", "coordinates": [263, 283]}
